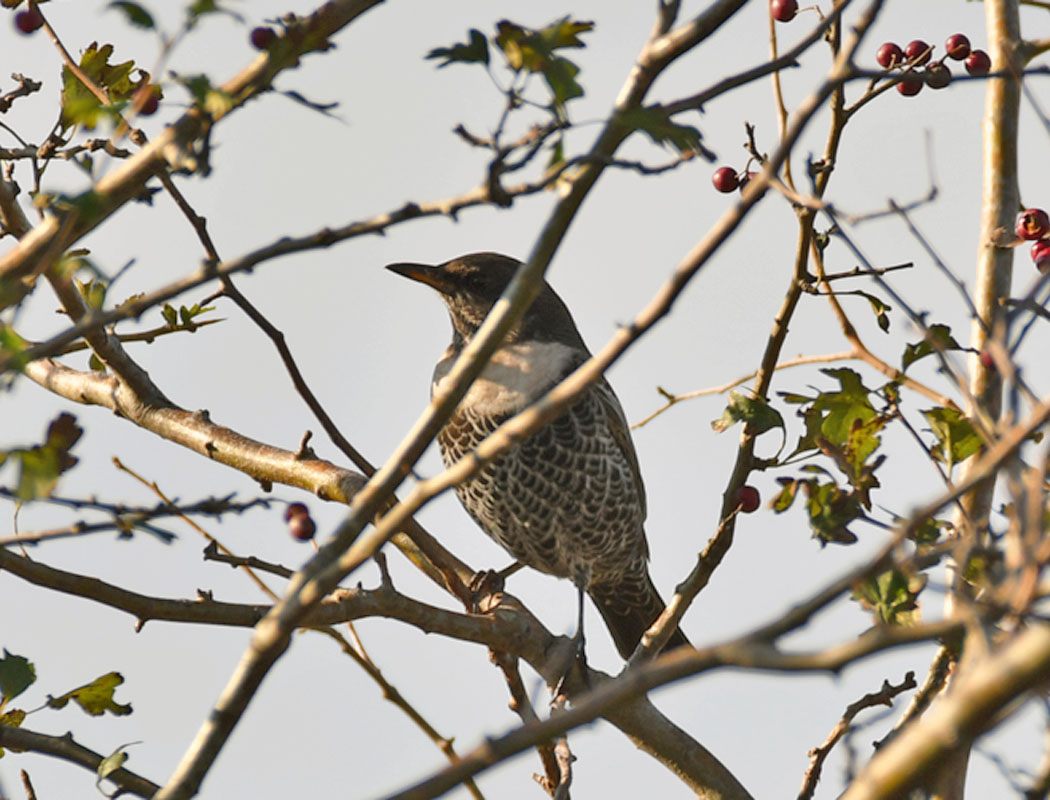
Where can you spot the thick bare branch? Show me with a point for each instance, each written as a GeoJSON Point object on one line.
{"type": "Point", "coordinates": [196, 431]}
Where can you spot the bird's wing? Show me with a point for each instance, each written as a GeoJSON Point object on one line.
{"type": "Point", "coordinates": [621, 432]}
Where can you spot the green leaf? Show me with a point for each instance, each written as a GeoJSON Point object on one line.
{"type": "Point", "coordinates": [12, 719]}
{"type": "Point", "coordinates": [843, 408]}
{"type": "Point", "coordinates": [565, 32]}
{"type": "Point", "coordinates": [560, 74]}
{"type": "Point", "coordinates": [892, 597]}
{"type": "Point", "coordinates": [16, 675]}
{"type": "Point", "coordinates": [111, 764]}
{"type": "Point", "coordinates": [475, 51]}
{"type": "Point", "coordinates": [938, 338]}
{"type": "Point", "coordinates": [202, 8]}
{"type": "Point", "coordinates": [211, 99]}
{"type": "Point", "coordinates": [96, 697]}
{"type": "Point", "coordinates": [557, 154]}
{"type": "Point", "coordinates": [171, 316]}
{"type": "Point", "coordinates": [811, 437]}
{"type": "Point", "coordinates": [755, 412]}
{"type": "Point", "coordinates": [40, 466]}
{"type": "Point", "coordinates": [957, 439]}
{"type": "Point", "coordinates": [95, 363]}
{"type": "Point", "coordinates": [830, 510]}
{"type": "Point", "coordinates": [658, 126]}
{"type": "Point", "coordinates": [12, 345]}
{"type": "Point", "coordinates": [534, 51]}
{"type": "Point", "coordinates": [135, 14]}
{"type": "Point", "coordinates": [187, 315]}
{"type": "Point", "coordinates": [79, 104]}
{"type": "Point", "coordinates": [880, 308]}
{"type": "Point", "coordinates": [929, 530]}
{"type": "Point", "coordinates": [786, 496]}
{"type": "Point", "coordinates": [93, 291]}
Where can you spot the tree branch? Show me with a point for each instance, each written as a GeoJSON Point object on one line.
{"type": "Point", "coordinates": [66, 749]}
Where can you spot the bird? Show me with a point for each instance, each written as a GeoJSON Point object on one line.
{"type": "Point", "coordinates": [569, 500]}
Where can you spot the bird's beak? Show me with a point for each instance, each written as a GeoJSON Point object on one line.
{"type": "Point", "coordinates": [423, 273]}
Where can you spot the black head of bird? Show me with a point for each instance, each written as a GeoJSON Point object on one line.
{"type": "Point", "coordinates": [470, 286]}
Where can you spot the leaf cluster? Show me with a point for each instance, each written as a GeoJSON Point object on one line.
{"type": "Point", "coordinates": [17, 673]}
{"type": "Point", "coordinates": [527, 51]}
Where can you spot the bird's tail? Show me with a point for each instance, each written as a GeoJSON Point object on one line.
{"type": "Point", "coordinates": [629, 608]}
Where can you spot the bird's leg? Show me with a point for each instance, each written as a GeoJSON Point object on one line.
{"type": "Point", "coordinates": [488, 582]}
{"type": "Point", "coordinates": [579, 649]}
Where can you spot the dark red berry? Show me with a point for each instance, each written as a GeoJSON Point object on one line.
{"type": "Point", "coordinates": [302, 528]}
{"type": "Point", "coordinates": [783, 10]}
{"type": "Point", "coordinates": [150, 105]}
{"type": "Point", "coordinates": [937, 75]}
{"type": "Point", "coordinates": [748, 499]}
{"type": "Point", "coordinates": [725, 180]}
{"type": "Point", "coordinates": [986, 360]}
{"type": "Point", "coordinates": [889, 55]}
{"type": "Point", "coordinates": [263, 38]}
{"type": "Point", "coordinates": [978, 63]}
{"type": "Point", "coordinates": [296, 510]}
{"type": "Point", "coordinates": [957, 46]}
{"type": "Point", "coordinates": [918, 51]}
{"type": "Point", "coordinates": [910, 85]}
{"type": "Point", "coordinates": [1032, 224]}
{"type": "Point", "coordinates": [1041, 255]}
{"type": "Point", "coordinates": [28, 20]}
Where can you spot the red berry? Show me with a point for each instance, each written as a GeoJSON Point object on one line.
{"type": "Point", "coordinates": [748, 499]}
{"type": "Point", "coordinates": [28, 20]}
{"type": "Point", "coordinates": [263, 38]}
{"type": "Point", "coordinates": [957, 46]}
{"type": "Point", "coordinates": [1032, 224]}
{"type": "Point", "coordinates": [978, 63]}
{"type": "Point", "coordinates": [150, 105]}
{"type": "Point", "coordinates": [302, 528]}
{"type": "Point", "coordinates": [1041, 255]}
{"type": "Point", "coordinates": [910, 85]}
{"type": "Point", "coordinates": [296, 510]}
{"type": "Point", "coordinates": [889, 55]}
{"type": "Point", "coordinates": [986, 360]}
{"type": "Point", "coordinates": [937, 75]}
{"type": "Point", "coordinates": [918, 51]}
{"type": "Point", "coordinates": [725, 180]}
{"type": "Point", "coordinates": [783, 10]}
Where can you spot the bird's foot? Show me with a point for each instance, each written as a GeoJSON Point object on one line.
{"type": "Point", "coordinates": [483, 585]}
{"type": "Point", "coordinates": [577, 661]}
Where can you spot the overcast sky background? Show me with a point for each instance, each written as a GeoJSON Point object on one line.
{"type": "Point", "coordinates": [367, 341]}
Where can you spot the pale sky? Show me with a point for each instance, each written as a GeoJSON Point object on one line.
{"type": "Point", "coordinates": [367, 340]}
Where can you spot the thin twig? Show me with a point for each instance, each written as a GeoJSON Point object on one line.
{"type": "Point", "coordinates": [817, 755]}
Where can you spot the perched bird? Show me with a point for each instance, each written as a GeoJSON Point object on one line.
{"type": "Point", "coordinates": [569, 500]}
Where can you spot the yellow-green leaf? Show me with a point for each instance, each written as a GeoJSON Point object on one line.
{"type": "Point", "coordinates": [96, 697]}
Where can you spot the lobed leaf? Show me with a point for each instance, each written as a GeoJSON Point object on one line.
{"type": "Point", "coordinates": [96, 697]}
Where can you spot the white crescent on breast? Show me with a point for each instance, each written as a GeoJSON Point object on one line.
{"type": "Point", "coordinates": [516, 375]}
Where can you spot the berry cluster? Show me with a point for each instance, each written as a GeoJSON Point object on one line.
{"type": "Point", "coordinates": [300, 524]}
{"type": "Point", "coordinates": [1033, 225]}
{"type": "Point", "coordinates": [936, 74]}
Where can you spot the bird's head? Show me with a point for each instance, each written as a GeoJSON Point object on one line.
{"type": "Point", "coordinates": [470, 286]}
